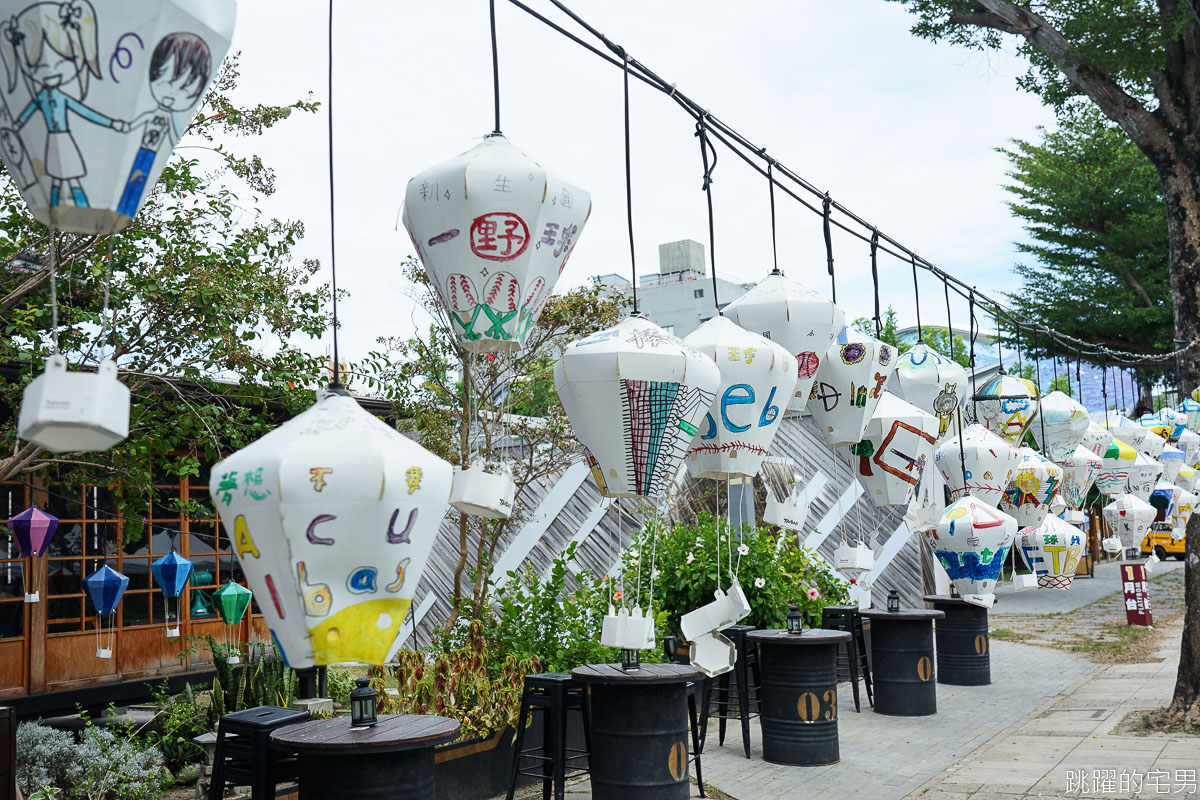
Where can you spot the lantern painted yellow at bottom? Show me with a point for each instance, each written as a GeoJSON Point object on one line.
{"type": "Point", "coordinates": [364, 632]}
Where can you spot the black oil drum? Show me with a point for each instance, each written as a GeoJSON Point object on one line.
{"type": "Point", "coordinates": [902, 661]}
{"type": "Point", "coordinates": [408, 774]}
{"type": "Point", "coordinates": [799, 695]}
{"type": "Point", "coordinates": [963, 649]}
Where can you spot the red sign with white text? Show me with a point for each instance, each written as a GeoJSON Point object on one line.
{"type": "Point", "coordinates": [1137, 595]}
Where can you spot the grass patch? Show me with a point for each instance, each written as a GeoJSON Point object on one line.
{"type": "Point", "coordinates": [1114, 639]}
{"type": "Point", "coordinates": [1007, 635]}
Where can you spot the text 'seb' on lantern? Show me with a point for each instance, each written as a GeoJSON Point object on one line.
{"type": "Point", "coordinates": [635, 396]}
{"type": "Point", "coordinates": [789, 313]}
{"type": "Point", "coordinates": [933, 383]}
{"type": "Point", "coordinates": [756, 381]}
{"type": "Point", "coordinates": [971, 542]}
{"type": "Point", "coordinates": [896, 448]}
{"type": "Point", "coordinates": [849, 383]}
{"type": "Point", "coordinates": [332, 516]}
{"type": "Point", "coordinates": [982, 465]}
{"type": "Point", "coordinates": [494, 230]}
{"type": "Point", "coordinates": [96, 93]}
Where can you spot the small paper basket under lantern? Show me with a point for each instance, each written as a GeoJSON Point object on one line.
{"type": "Point", "coordinates": [494, 230]}
{"type": "Point", "coordinates": [971, 542]}
{"type": "Point", "coordinates": [849, 384]}
{"type": "Point", "coordinates": [982, 466]}
{"type": "Point", "coordinates": [1051, 551]}
{"type": "Point", "coordinates": [636, 397]}
{"type": "Point", "coordinates": [1028, 497]}
{"type": "Point", "coordinates": [32, 531]}
{"type": "Point", "coordinates": [104, 588]}
{"type": "Point", "coordinates": [75, 412]}
{"type": "Point", "coordinates": [1006, 405]}
{"type": "Point", "coordinates": [96, 94]}
{"type": "Point", "coordinates": [480, 492]}
{"type": "Point", "coordinates": [896, 447]}
{"type": "Point", "coordinates": [933, 383]}
{"type": "Point", "coordinates": [727, 608]}
{"type": "Point", "coordinates": [801, 320]}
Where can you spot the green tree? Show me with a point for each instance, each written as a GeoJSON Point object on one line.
{"type": "Point", "coordinates": [1093, 208]}
{"type": "Point", "coordinates": [205, 298]}
{"type": "Point", "coordinates": [1138, 62]}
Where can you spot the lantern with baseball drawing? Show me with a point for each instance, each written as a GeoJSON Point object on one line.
{"type": "Point", "coordinates": [982, 465]}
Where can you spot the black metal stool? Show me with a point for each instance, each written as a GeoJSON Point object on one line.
{"type": "Point", "coordinates": [553, 694]}
{"type": "Point", "coordinates": [244, 756]}
{"type": "Point", "coordinates": [693, 689]}
{"type": "Point", "coordinates": [849, 619]}
{"type": "Point", "coordinates": [718, 691]}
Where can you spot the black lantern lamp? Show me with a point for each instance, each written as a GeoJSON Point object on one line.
{"type": "Point", "coordinates": [795, 620]}
{"type": "Point", "coordinates": [893, 601]}
{"type": "Point", "coordinates": [362, 705]}
{"type": "Point", "coordinates": [630, 660]}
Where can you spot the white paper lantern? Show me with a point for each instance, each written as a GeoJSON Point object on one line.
{"type": "Point", "coordinates": [990, 464]}
{"type": "Point", "coordinates": [1027, 498]}
{"type": "Point", "coordinates": [332, 516]}
{"type": "Point", "coordinates": [636, 397]}
{"type": "Point", "coordinates": [1113, 478]}
{"type": "Point", "coordinates": [1079, 473]}
{"type": "Point", "coordinates": [1061, 427]}
{"type": "Point", "coordinates": [1122, 427]}
{"type": "Point", "coordinates": [1155, 440]}
{"type": "Point", "coordinates": [971, 542]}
{"type": "Point", "coordinates": [1006, 405]}
{"type": "Point", "coordinates": [1143, 475]}
{"type": "Point", "coordinates": [1189, 443]}
{"type": "Point", "coordinates": [1097, 439]}
{"type": "Point", "coordinates": [74, 412]}
{"type": "Point", "coordinates": [896, 447]}
{"type": "Point", "coordinates": [494, 230]}
{"type": "Point", "coordinates": [1185, 506]}
{"type": "Point", "coordinates": [1191, 411]}
{"type": "Point", "coordinates": [1129, 518]}
{"type": "Point", "coordinates": [1172, 460]}
{"type": "Point", "coordinates": [756, 381]}
{"type": "Point", "coordinates": [1187, 478]}
{"type": "Point", "coordinates": [1051, 551]}
{"type": "Point", "coordinates": [803, 321]}
{"type": "Point", "coordinates": [95, 96]}
{"type": "Point", "coordinates": [1164, 498]}
{"type": "Point", "coordinates": [1176, 422]}
{"type": "Point", "coordinates": [932, 382]}
{"type": "Point", "coordinates": [485, 493]}
{"type": "Point", "coordinates": [849, 384]}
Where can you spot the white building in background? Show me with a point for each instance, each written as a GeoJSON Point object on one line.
{"type": "Point", "coordinates": [680, 296]}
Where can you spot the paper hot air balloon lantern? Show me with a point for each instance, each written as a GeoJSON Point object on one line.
{"type": "Point", "coordinates": [1172, 460]}
{"type": "Point", "coordinates": [494, 230]}
{"type": "Point", "coordinates": [1027, 499]}
{"type": "Point", "coordinates": [1061, 427]}
{"type": "Point", "coordinates": [172, 573]}
{"type": "Point", "coordinates": [104, 588]}
{"type": "Point", "coordinates": [1143, 476]}
{"type": "Point", "coordinates": [1006, 405]}
{"type": "Point", "coordinates": [789, 313]}
{"type": "Point", "coordinates": [32, 531]}
{"type": "Point", "coordinates": [1097, 439]}
{"type": "Point", "coordinates": [332, 517]}
{"type": "Point", "coordinates": [1129, 517]}
{"type": "Point", "coordinates": [1113, 477]}
{"type": "Point", "coordinates": [971, 542]}
{"type": "Point", "coordinates": [1189, 443]}
{"type": "Point", "coordinates": [1176, 422]}
{"type": "Point", "coordinates": [1051, 551]}
{"type": "Point", "coordinates": [1156, 437]}
{"type": "Point", "coordinates": [932, 382]}
{"type": "Point", "coordinates": [1186, 479]}
{"type": "Point", "coordinates": [896, 447]}
{"type": "Point", "coordinates": [232, 600]}
{"type": "Point", "coordinates": [1185, 506]}
{"type": "Point", "coordinates": [1079, 474]}
{"type": "Point", "coordinates": [982, 466]}
{"type": "Point", "coordinates": [96, 93]}
{"type": "Point", "coordinates": [636, 396]}
{"type": "Point", "coordinates": [756, 380]}
{"type": "Point", "coordinates": [849, 384]}
{"type": "Point", "coordinates": [1164, 498]}
{"type": "Point", "coordinates": [1190, 409]}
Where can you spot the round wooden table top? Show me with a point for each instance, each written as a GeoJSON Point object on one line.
{"type": "Point", "coordinates": [944, 598]}
{"type": "Point", "coordinates": [393, 733]}
{"type": "Point", "coordinates": [646, 673]}
{"type": "Point", "coordinates": [811, 636]}
{"type": "Point", "coordinates": [903, 614]}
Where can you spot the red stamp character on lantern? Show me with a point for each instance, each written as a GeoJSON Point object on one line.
{"type": "Point", "coordinates": [499, 236]}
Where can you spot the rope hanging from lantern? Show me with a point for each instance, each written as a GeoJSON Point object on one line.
{"type": "Point", "coordinates": [826, 204]}
{"type": "Point", "coordinates": [875, 281]}
{"type": "Point", "coordinates": [917, 306]}
{"type": "Point", "coordinates": [629, 183]}
{"type": "Point", "coordinates": [705, 148]}
{"type": "Point", "coordinates": [774, 243]}
{"type": "Point", "coordinates": [336, 383]}
{"type": "Point", "coordinates": [495, 67]}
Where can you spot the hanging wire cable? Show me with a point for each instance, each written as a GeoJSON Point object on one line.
{"type": "Point", "coordinates": [53, 255]}
{"type": "Point", "coordinates": [1078, 373]}
{"type": "Point", "coordinates": [974, 334]}
{"type": "Point", "coordinates": [917, 303]}
{"type": "Point", "coordinates": [495, 66]}
{"type": "Point", "coordinates": [705, 148]}
{"type": "Point", "coordinates": [336, 384]}
{"type": "Point", "coordinates": [774, 245]}
{"type": "Point", "coordinates": [826, 205]}
{"type": "Point", "coordinates": [1104, 387]}
{"type": "Point", "coordinates": [629, 185]}
{"type": "Point", "coordinates": [949, 321]}
{"type": "Point", "coordinates": [999, 348]}
{"type": "Point", "coordinates": [875, 282]}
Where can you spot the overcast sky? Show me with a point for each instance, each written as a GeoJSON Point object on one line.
{"type": "Point", "coordinates": [900, 130]}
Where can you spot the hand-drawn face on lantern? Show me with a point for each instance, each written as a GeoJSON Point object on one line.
{"type": "Point", "coordinates": [95, 95]}
{"type": "Point", "coordinates": [789, 313]}
{"type": "Point", "coordinates": [1172, 460]}
{"type": "Point", "coordinates": [1051, 551]}
{"type": "Point", "coordinates": [1113, 478]}
{"type": "Point", "coordinates": [1061, 427]}
{"type": "Point", "coordinates": [1189, 443]}
{"type": "Point", "coordinates": [636, 397]}
{"type": "Point", "coordinates": [1097, 439]}
{"type": "Point", "coordinates": [1079, 473]}
{"type": "Point", "coordinates": [494, 230]}
{"type": "Point", "coordinates": [1006, 405]}
{"type": "Point", "coordinates": [1036, 483]}
{"type": "Point", "coordinates": [756, 380]}
{"type": "Point", "coordinates": [895, 450]}
{"type": "Point", "coordinates": [1175, 421]}
{"type": "Point", "coordinates": [332, 516]}
{"type": "Point", "coordinates": [982, 466]}
{"type": "Point", "coordinates": [849, 384]}
{"type": "Point", "coordinates": [1144, 473]}
{"type": "Point", "coordinates": [971, 542]}
{"type": "Point", "coordinates": [1129, 518]}
{"type": "Point", "coordinates": [931, 382]}
{"type": "Point", "coordinates": [1190, 409]}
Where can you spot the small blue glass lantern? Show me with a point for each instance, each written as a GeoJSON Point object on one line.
{"type": "Point", "coordinates": [104, 588]}
{"type": "Point", "coordinates": [171, 572]}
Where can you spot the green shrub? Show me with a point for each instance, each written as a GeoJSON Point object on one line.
{"type": "Point", "coordinates": [340, 683]}
{"type": "Point", "coordinates": [102, 765]}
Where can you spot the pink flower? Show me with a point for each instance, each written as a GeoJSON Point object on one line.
{"type": "Point", "coordinates": [617, 595]}
{"type": "Point", "coordinates": [813, 593]}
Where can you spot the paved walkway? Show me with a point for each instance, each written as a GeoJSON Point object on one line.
{"type": "Point", "coordinates": [1084, 590]}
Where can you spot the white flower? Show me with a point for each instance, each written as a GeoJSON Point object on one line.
{"type": "Point", "coordinates": [691, 557]}
{"type": "Point", "coordinates": [759, 583]}
{"type": "Point", "coordinates": [743, 550]}
{"type": "Point", "coordinates": [654, 574]}
{"type": "Point", "coordinates": [633, 553]}
{"type": "Point", "coordinates": [699, 542]}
